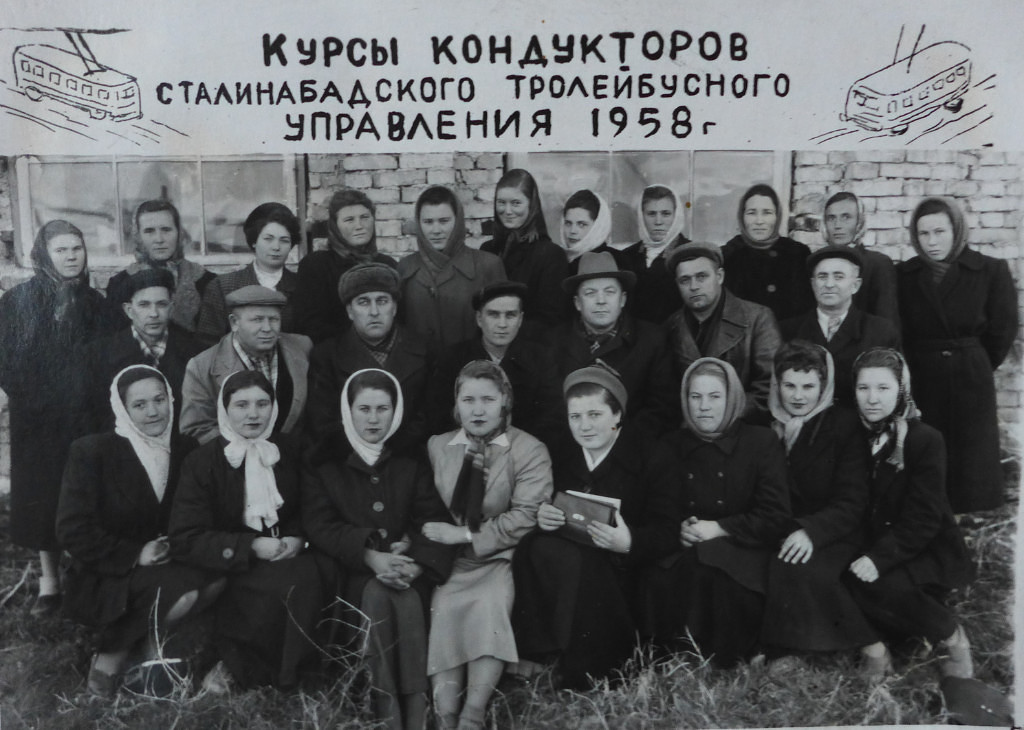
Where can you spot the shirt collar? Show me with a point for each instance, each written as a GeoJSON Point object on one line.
{"type": "Point", "coordinates": [462, 439]}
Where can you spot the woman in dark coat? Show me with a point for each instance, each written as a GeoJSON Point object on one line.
{"type": "Point", "coordinates": [576, 596]}
{"type": "Point", "coordinates": [160, 243]}
{"type": "Point", "coordinates": [913, 553]}
{"type": "Point", "coordinates": [959, 314]}
{"type": "Point", "coordinates": [351, 239]}
{"type": "Point", "coordinates": [365, 508]}
{"type": "Point", "coordinates": [115, 504]}
{"type": "Point", "coordinates": [42, 322]}
{"type": "Point", "coordinates": [271, 230]}
{"type": "Point", "coordinates": [732, 492]}
{"type": "Point", "coordinates": [237, 514]}
{"type": "Point", "coordinates": [529, 255]}
{"type": "Point", "coordinates": [763, 267]}
{"type": "Point", "coordinates": [808, 608]}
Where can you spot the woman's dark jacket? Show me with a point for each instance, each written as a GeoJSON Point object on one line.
{"type": "Point", "coordinates": [776, 277]}
{"type": "Point", "coordinates": [541, 265]}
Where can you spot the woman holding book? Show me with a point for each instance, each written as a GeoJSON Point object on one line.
{"type": "Point", "coordinates": [576, 578]}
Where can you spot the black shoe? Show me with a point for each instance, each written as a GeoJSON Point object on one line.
{"type": "Point", "coordinates": [45, 606]}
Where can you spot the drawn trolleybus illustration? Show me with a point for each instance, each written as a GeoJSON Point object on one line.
{"type": "Point", "coordinates": [77, 79]}
{"type": "Point", "coordinates": [910, 88]}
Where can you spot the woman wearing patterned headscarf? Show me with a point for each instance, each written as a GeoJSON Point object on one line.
{"type": "Point", "coordinates": [959, 312]}
{"type": "Point", "coordinates": [42, 323]}
{"type": "Point", "coordinates": [493, 477]}
{"type": "Point", "coordinates": [733, 498]}
{"type": "Point", "coordinates": [912, 552]}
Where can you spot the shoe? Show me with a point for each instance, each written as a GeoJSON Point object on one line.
{"type": "Point", "coordinates": [218, 680]}
{"type": "Point", "coordinates": [958, 662]}
{"type": "Point", "coordinates": [99, 683]}
{"type": "Point", "coordinates": [46, 606]}
{"type": "Point", "coordinates": [875, 668]}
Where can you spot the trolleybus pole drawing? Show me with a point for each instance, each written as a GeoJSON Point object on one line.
{"type": "Point", "coordinates": [77, 79]}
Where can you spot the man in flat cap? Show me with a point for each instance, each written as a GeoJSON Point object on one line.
{"type": "Point", "coordinates": [149, 338]}
{"type": "Point", "coordinates": [836, 323]}
{"type": "Point", "coordinates": [254, 343]}
{"type": "Point", "coordinates": [635, 349]}
{"type": "Point", "coordinates": [530, 366]}
{"type": "Point", "coordinates": [370, 294]}
{"type": "Point", "coordinates": [714, 322]}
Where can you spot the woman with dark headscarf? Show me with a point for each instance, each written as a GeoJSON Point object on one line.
{"type": "Point", "coordinates": [529, 255]}
{"type": "Point", "coordinates": [912, 553]}
{"type": "Point", "coordinates": [959, 315]}
{"type": "Point", "coordinates": [441, 277]}
{"type": "Point", "coordinates": [351, 239]}
{"type": "Point", "coordinates": [237, 514]}
{"type": "Point", "coordinates": [160, 243]}
{"type": "Point", "coordinates": [114, 508]}
{"type": "Point", "coordinates": [42, 322]}
{"type": "Point", "coordinates": [492, 477]}
{"type": "Point", "coordinates": [271, 230]}
{"type": "Point", "coordinates": [763, 266]}
{"type": "Point", "coordinates": [364, 507]}
{"type": "Point", "coordinates": [808, 609]}
{"type": "Point", "coordinates": [576, 592]}
{"type": "Point", "coordinates": [733, 496]}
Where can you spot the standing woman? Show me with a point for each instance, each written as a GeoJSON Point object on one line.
{"type": "Point", "coordinates": [493, 477]}
{"type": "Point", "coordinates": [586, 226]}
{"type": "Point", "coordinates": [733, 495]}
{"type": "Point", "coordinates": [42, 322]}
{"type": "Point", "coordinates": [440, 279]}
{"type": "Point", "coordinates": [271, 230]}
{"type": "Point", "coordinates": [576, 603]}
{"type": "Point", "coordinates": [913, 553]}
{"type": "Point", "coordinates": [160, 244]}
{"type": "Point", "coordinates": [808, 609]}
{"type": "Point", "coordinates": [115, 504]}
{"type": "Point", "coordinates": [959, 315]}
{"type": "Point", "coordinates": [351, 239]}
{"type": "Point", "coordinates": [365, 507]}
{"type": "Point", "coordinates": [762, 266]}
{"type": "Point", "coordinates": [529, 255]}
{"type": "Point", "coordinates": [237, 514]}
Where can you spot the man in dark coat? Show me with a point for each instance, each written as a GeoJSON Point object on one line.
{"type": "Point", "coordinates": [150, 339]}
{"type": "Point", "coordinates": [636, 350]}
{"type": "Point", "coordinates": [370, 293]}
{"type": "Point", "coordinates": [713, 322]}
{"type": "Point", "coordinates": [537, 398]}
{"type": "Point", "coordinates": [836, 323]}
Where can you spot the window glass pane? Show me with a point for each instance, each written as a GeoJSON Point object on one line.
{"type": "Point", "coordinates": [633, 171]}
{"type": "Point", "coordinates": [177, 182]}
{"type": "Point", "coordinates": [81, 193]}
{"type": "Point", "coordinates": [720, 178]}
{"type": "Point", "coordinates": [231, 189]}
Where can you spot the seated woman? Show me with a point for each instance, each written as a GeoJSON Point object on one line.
{"type": "Point", "coordinates": [913, 553]}
{"type": "Point", "coordinates": [365, 508]}
{"type": "Point", "coordinates": [115, 503]}
{"type": "Point", "coordinates": [237, 514]}
{"type": "Point", "coordinates": [733, 493]}
{"type": "Point", "coordinates": [493, 477]}
{"type": "Point", "coordinates": [271, 230]}
{"type": "Point", "coordinates": [808, 608]}
{"type": "Point", "coordinates": [575, 602]}
{"type": "Point", "coordinates": [586, 226]}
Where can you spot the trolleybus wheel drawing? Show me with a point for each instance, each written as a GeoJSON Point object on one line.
{"type": "Point", "coordinates": [33, 93]}
{"type": "Point", "coordinates": [97, 113]}
{"type": "Point", "coordinates": [955, 105]}
{"type": "Point", "coordinates": [902, 129]}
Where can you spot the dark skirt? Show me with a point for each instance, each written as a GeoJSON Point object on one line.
{"type": "Point", "coordinates": [900, 608]}
{"type": "Point", "coordinates": [266, 619]}
{"type": "Point", "coordinates": [809, 608]}
{"type": "Point", "coordinates": [572, 603]}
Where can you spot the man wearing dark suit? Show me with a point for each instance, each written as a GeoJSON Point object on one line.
{"type": "Point", "coordinates": [836, 323]}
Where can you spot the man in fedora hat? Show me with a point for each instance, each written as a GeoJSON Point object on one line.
{"type": "Point", "coordinates": [254, 343]}
{"type": "Point", "coordinates": [636, 350]}
{"type": "Point", "coordinates": [837, 323]}
{"type": "Point", "coordinates": [714, 322]}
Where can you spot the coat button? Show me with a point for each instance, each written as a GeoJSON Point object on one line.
{"type": "Point", "coordinates": [692, 504]}
{"type": "Point", "coordinates": [378, 506]}
{"type": "Point", "coordinates": [228, 553]}
{"type": "Point", "coordinates": [947, 353]}
{"type": "Point", "coordinates": [374, 479]}
{"type": "Point", "coordinates": [773, 253]}
{"type": "Point", "coordinates": [771, 288]}
{"type": "Point", "coordinates": [720, 475]}
{"type": "Point", "coordinates": [719, 502]}
{"type": "Point", "coordinates": [689, 476]}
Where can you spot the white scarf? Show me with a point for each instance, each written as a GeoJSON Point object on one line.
{"type": "Point", "coordinates": [597, 234]}
{"type": "Point", "coordinates": [653, 248]}
{"type": "Point", "coordinates": [370, 453]}
{"type": "Point", "coordinates": [153, 452]}
{"type": "Point", "coordinates": [262, 500]}
{"type": "Point", "coordinates": [786, 425]}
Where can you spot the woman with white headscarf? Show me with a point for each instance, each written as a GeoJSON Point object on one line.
{"type": "Point", "coordinates": [112, 520]}
{"type": "Point", "coordinates": [365, 507]}
{"type": "Point", "coordinates": [586, 226]}
{"type": "Point", "coordinates": [237, 513]}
